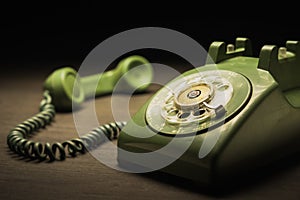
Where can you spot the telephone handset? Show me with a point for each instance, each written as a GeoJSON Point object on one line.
{"type": "Point", "coordinates": [69, 90]}
{"type": "Point", "coordinates": [230, 116]}
{"type": "Point", "coordinates": [214, 120]}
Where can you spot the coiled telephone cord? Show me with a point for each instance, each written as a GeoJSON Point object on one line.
{"type": "Point", "coordinates": [18, 138]}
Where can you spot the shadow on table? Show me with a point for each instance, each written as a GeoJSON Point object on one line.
{"type": "Point", "coordinates": [240, 184]}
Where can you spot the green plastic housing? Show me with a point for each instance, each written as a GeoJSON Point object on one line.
{"type": "Point", "coordinates": [68, 90]}
{"type": "Point", "coordinates": [263, 131]}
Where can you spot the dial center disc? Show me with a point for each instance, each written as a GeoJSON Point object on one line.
{"type": "Point", "coordinates": [192, 96]}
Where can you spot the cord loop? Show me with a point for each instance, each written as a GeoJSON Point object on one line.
{"type": "Point", "coordinates": [18, 142]}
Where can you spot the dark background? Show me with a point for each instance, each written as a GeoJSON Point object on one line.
{"type": "Point", "coordinates": [35, 37]}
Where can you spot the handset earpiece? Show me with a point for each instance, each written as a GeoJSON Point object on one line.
{"type": "Point", "coordinates": [67, 89]}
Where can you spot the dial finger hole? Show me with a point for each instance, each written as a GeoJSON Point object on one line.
{"type": "Point", "coordinates": [183, 115]}
{"type": "Point", "coordinates": [172, 112]}
{"type": "Point", "coordinates": [168, 107]}
{"type": "Point", "coordinates": [170, 100]}
{"type": "Point", "coordinates": [222, 87]}
{"type": "Point", "coordinates": [199, 112]}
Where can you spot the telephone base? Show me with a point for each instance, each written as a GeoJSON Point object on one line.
{"type": "Point", "coordinates": [258, 126]}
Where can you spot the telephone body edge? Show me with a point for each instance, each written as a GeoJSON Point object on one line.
{"type": "Point", "coordinates": [249, 139]}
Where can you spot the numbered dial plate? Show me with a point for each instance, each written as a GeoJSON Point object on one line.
{"type": "Point", "coordinates": [196, 102]}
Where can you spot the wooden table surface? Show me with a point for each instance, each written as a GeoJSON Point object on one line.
{"type": "Point", "coordinates": [84, 177]}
